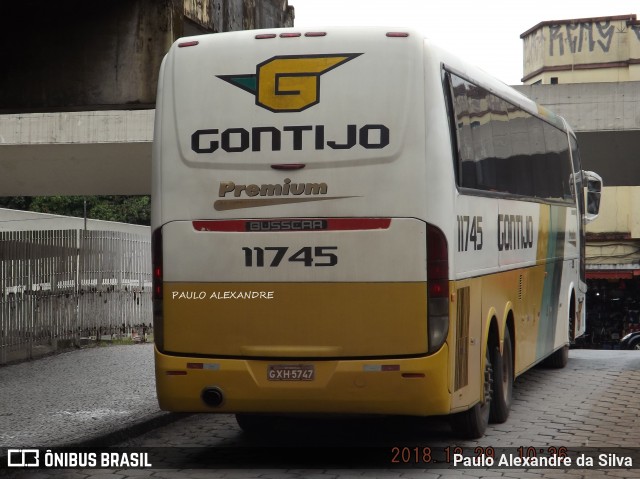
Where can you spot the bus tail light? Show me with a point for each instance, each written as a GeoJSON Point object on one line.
{"type": "Point", "coordinates": [192, 43]}
{"type": "Point", "coordinates": [437, 288]}
{"type": "Point", "coordinates": [156, 265]}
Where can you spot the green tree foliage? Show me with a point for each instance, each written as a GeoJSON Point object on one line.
{"type": "Point", "coordinates": [124, 209]}
{"type": "Point", "coordinates": [15, 202]}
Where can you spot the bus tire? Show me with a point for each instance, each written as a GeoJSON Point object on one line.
{"type": "Point", "coordinates": [257, 424]}
{"type": "Point", "coordinates": [502, 381]}
{"type": "Point", "coordinates": [472, 423]}
{"type": "Point", "coordinates": [558, 359]}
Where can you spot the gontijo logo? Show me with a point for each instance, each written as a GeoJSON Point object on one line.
{"type": "Point", "coordinates": [288, 83]}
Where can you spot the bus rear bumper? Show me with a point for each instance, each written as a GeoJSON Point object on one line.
{"type": "Point", "coordinates": [414, 386]}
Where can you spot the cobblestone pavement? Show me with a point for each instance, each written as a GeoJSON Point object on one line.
{"type": "Point", "coordinates": [593, 402]}
{"type": "Point", "coordinates": [77, 396]}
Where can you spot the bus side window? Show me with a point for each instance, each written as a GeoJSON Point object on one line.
{"type": "Point", "coordinates": [503, 148]}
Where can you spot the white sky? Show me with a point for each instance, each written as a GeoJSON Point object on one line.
{"type": "Point", "coordinates": [486, 32]}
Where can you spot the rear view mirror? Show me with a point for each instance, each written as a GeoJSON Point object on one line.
{"type": "Point", "coordinates": [594, 191]}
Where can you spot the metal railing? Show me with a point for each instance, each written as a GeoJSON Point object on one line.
{"type": "Point", "coordinates": [58, 287]}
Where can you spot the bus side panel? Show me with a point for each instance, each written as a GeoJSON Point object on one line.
{"type": "Point", "coordinates": [561, 271]}
{"type": "Point", "coordinates": [537, 266]}
{"type": "Point", "coordinates": [465, 351]}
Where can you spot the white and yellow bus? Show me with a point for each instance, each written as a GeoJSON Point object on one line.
{"type": "Point", "coordinates": [353, 221]}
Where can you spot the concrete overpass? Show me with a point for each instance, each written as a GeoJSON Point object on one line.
{"type": "Point", "coordinates": [77, 91]}
{"type": "Point", "coordinates": [76, 153]}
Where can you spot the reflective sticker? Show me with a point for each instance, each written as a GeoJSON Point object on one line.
{"type": "Point", "coordinates": [380, 367]}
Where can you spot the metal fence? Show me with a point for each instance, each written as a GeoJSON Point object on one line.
{"type": "Point", "coordinates": [62, 287]}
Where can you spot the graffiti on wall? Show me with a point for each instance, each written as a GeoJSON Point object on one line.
{"type": "Point", "coordinates": [602, 40]}
{"type": "Point", "coordinates": [534, 51]}
{"type": "Point", "coordinates": [580, 37]}
{"type": "Point", "coordinates": [588, 37]}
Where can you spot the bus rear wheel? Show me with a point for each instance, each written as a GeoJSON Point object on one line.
{"type": "Point", "coordinates": [503, 381]}
{"type": "Point", "coordinates": [257, 424]}
{"type": "Point", "coordinates": [558, 359]}
{"type": "Point", "coordinates": [472, 423]}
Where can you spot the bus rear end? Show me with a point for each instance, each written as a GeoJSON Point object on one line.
{"type": "Point", "coordinates": [296, 268]}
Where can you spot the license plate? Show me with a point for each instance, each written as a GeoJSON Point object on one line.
{"type": "Point", "coordinates": [291, 372]}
